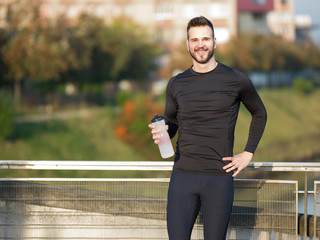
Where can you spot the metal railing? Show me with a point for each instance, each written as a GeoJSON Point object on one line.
{"type": "Point", "coordinates": [59, 208]}
{"type": "Point", "coordinates": [167, 166]}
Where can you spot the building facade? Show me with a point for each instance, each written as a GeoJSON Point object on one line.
{"type": "Point", "coordinates": [267, 17]}
{"type": "Point", "coordinates": [166, 19]}
{"type": "Point", "coordinates": [303, 28]}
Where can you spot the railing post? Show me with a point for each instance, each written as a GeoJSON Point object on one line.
{"type": "Point", "coordinates": [315, 210]}
{"type": "Point", "coordinates": [305, 204]}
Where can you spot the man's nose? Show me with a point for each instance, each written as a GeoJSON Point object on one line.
{"type": "Point", "coordinates": [200, 43]}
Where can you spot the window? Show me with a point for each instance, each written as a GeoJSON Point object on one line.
{"type": "Point", "coordinates": [219, 10]}
{"type": "Point", "coordinates": [164, 11]}
{"type": "Point", "coordinates": [192, 10]}
{"type": "Point", "coordinates": [284, 31]}
{"type": "Point", "coordinates": [285, 16]}
{"type": "Point", "coordinates": [260, 2]}
{"type": "Point", "coordinates": [258, 16]}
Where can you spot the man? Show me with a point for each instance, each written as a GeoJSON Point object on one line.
{"type": "Point", "coordinates": [203, 104]}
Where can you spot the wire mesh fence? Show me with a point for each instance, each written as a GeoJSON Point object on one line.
{"type": "Point", "coordinates": [263, 208]}
{"type": "Point", "coordinates": [83, 209]}
{"type": "Point", "coordinates": [132, 209]}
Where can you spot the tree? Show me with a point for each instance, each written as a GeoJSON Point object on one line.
{"type": "Point", "coordinates": [254, 52]}
{"type": "Point", "coordinates": [311, 55]}
{"type": "Point", "coordinates": [130, 48]}
{"type": "Point", "coordinates": [29, 51]}
{"type": "Point", "coordinates": [83, 52]}
{"type": "Point", "coordinates": [119, 50]}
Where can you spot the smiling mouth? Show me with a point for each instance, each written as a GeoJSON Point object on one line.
{"type": "Point", "coordinates": [201, 50]}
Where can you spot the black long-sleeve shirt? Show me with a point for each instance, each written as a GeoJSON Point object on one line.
{"type": "Point", "coordinates": [204, 108]}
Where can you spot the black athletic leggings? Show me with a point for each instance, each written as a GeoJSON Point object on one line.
{"type": "Point", "coordinates": [190, 192]}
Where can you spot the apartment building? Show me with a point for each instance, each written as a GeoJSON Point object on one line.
{"type": "Point", "coordinates": [267, 17]}
{"type": "Point", "coordinates": [166, 19]}
{"type": "Point", "coordinates": [303, 28]}
{"type": "Point", "coordinates": [171, 17]}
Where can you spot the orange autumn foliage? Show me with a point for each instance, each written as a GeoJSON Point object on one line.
{"type": "Point", "coordinates": [131, 123]}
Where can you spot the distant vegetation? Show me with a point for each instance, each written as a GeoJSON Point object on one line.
{"type": "Point", "coordinates": [292, 134]}
{"type": "Point", "coordinates": [45, 54]}
{"type": "Point", "coordinates": [293, 128]}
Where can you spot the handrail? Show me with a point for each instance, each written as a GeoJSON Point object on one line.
{"type": "Point", "coordinates": [147, 165]}
{"type": "Point", "coordinates": [87, 165]}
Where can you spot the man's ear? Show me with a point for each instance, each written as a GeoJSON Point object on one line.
{"type": "Point", "coordinates": [214, 43]}
{"type": "Point", "coordinates": [187, 43]}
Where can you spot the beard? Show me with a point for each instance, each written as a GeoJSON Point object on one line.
{"type": "Point", "coordinates": [202, 60]}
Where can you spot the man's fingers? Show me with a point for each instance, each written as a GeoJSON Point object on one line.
{"type": "Point", "coordinates": [230, 169]}
{"type": "Point", "coordinates": [154, 131]}
{"type": "Point", "coordinates": [228, 166]}
{"type": "Point", "coordinates": [227, 158]}
{"type": "Point", "coordinates": [156, 136]}
{"type": "Point", "coordinates": [236, 173]}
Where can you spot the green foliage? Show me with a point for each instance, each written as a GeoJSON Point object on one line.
{"type": "Point", "coordinates": [30, 48]}
{"type": "Point", "coordinates": [254, 52]}
{"type": "Point", "coordinates": [303, 86]}
{"type": "Point", "coordinates": [131, 123]}
{"type": "Point", "coordinates": [122, 97]}
{"type": "Point", "coordinates": [39, 49]}
{"type": "Point", "coordinates": [73, 138]}
{"type": "Point", "coordinates": [86, 138]}
{"type": "Point", "coordinates": [292, 133]}
{"type": "Point", "coordinates": [6, 114]}
{"type": "Point", "coordinates": [120, 50]}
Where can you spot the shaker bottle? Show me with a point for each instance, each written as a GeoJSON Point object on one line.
{"type": "Point", "coordinates": [165, 145]}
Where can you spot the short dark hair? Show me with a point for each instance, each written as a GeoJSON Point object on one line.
{"type": "Point", "coordinates": [198, 22]}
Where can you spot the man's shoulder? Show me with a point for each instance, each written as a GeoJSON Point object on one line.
{"type": "Point", "coordinates": [230, 69]}
{"type": "Point", "coordinates": [235, 72]}
{"type": "Point", "coordinates": [184, 74]}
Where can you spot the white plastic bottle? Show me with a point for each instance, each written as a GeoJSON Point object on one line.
{"type": "Point", "coordinates": [165, 145]}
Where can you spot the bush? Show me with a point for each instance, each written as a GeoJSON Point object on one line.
{"type": "Point", "coordinates": [303, 86]}
{"type": "Point", "coordinates": [122, 97]}
{"type": "Point", "coordinates": [131, 123]}
{"type": "Point", "coordinates": [6, 114]}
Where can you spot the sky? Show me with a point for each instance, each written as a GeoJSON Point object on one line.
{"type": "Point", "coordinates": [312, 8]}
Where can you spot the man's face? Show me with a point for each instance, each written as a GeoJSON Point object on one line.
{"type": "Point", "coordinates": [201, 44]}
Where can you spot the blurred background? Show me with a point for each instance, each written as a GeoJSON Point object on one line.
{"type": "Point", "coordinates": [81, 80]}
